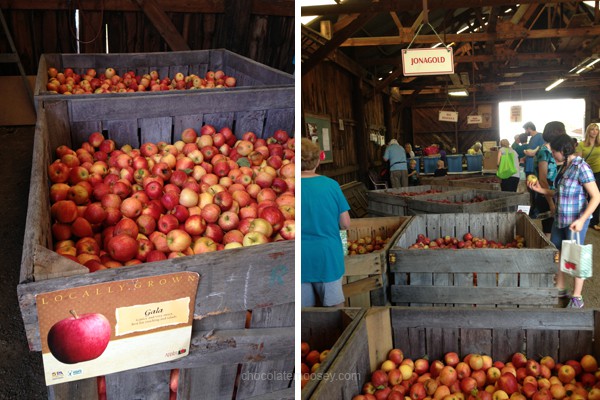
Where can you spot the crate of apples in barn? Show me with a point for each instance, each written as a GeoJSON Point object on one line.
{"type": "Point", "coordinates": [496, 259]}
{"type": "Point", "coordinates": [394, 202]}
{"type": "Point", "coordinates": [149, 73]}
{"type": "Point", "coordinates": [466, 200]}
{"type": "Point", "coordinates": [237, 287]}
{"type": "Point", "coordinates": [365, 278]}
{"type": "Point", "coordinates": [323, 333]}
{"type": "Point", "coordinates": [449, 354]}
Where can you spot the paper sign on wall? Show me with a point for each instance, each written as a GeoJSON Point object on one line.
{"type": "Point", "coordinates": [448, 116]}
{"type": "Point", "coordinates": [115, 326]}
{"type": "Point", "coordinates": [438, 61]}
{"type": "Point", "coordinates": [474, 119]}
{"type": "Point", "coordinates": [516, 114]}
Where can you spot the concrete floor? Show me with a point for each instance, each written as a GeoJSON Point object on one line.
{"type": "Point", "coordinates": [21, 371]}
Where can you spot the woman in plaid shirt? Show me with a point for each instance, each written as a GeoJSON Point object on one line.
{"type": "Point", "coordinates": [573, 180]}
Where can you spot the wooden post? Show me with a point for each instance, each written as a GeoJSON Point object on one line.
{"type": "Point", "coordinates": [237, 14]}
{"type": "Point", "coordinates": [360, 134]}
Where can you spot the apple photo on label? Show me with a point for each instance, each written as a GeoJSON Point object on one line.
{"type": "Point", "coordinates": [79, 338]}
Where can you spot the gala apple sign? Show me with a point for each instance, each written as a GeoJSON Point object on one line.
{"type": "Point", "coordinates": [114, 326]}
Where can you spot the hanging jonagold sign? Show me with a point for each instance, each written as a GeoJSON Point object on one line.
{"type": "Point", "coordinates": [438, 61]}
{"type": "Point", "coordinates": [448, 116]}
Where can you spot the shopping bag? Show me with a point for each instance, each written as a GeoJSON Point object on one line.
{"type": "Point", "coordinates": [506, 169]}
{"type": "Point", "coordinates": [576, 258]}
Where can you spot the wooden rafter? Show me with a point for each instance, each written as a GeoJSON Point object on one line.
{"type": "Point", "coordinates": [283, 8]}
{"type": "Point", "coordinates": [338, 38]}
{"type": "Point", "coordinates": [163, 24]}
{"type": "Point", "coordinates": [407, 36]}
{"type": "Point", "coordinates": [403, 5]}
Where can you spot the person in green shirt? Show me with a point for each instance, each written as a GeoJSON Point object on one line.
{"type": "Point", "coordinates": [589, 150]}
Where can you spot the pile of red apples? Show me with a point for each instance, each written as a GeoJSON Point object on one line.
{"type": "Point", "coordinates": [478, 376]}
{"type": "Point", "coordinates": [366, 245]}
{"type": "Point", "coordinates": [410, 194]}
{"type": "Point", "coordinates": [68, 82]}
{"type": "Point", "coordinates": [310, 362]}
{"type": "Point", "coordinates": [468, 241]}
{"type": "Point", "coordinates": [475, 199]}
{"type": "Point", "coordinates": [206, 192]}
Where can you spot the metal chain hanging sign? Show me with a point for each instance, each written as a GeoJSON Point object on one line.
{"type": "Point", "coordinates": [427, 61]}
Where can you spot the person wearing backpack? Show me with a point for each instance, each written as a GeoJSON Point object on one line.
{"type": "Point", "coordinates": [508, 168]}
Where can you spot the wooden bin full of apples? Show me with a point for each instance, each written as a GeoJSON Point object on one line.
{"type": "Point", "coordinates": [366, 275]}
{"type": "Point", "coordinates": [433, 352]}
{"type": "Point", "coordinates": [105, 76]}
{"type": "Point", "coordinates": [466, 260]}
{"type": "Point", "coordinates": [188, 152]}
{"type": "Point", "coordinates": [324, 331]}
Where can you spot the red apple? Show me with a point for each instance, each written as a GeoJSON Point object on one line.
{"type": "Point", "coordinates": [79, 338]}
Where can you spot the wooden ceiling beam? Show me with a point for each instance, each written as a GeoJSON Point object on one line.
{"type": "Point", "coordinates": [469, 58]}
{"type": "Point", "coordinates": [403, 5]}
{"type": "Point", "coordinates": [284, 8]}
{"type": "Point", "coordinates": [339, 37]}
{"type": "Point", "coordinates": [407, 36]}
{"type": "Point", "coordinates": [163, 25]}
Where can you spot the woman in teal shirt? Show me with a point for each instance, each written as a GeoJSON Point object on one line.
{"type": "Point", "coordinates": [324, 213]}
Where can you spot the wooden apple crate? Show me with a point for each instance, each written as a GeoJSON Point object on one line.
{"type": "Point", "coordinates": [366, 277]}
{"type": "Point", "coordinates": [248, 73]}
{"type": "Point", "coordinates": [327, 328]}
{"type": "Point", "coordinates": [485, 182]}
{"type": "Point", "coordinates": [445, 180]}
{"type": "Point", "coordinates": [446, 277]}
{"type": "Point", "coordinates": [561, 334]}
{"type": "Point", "coordinates": [254, 282]}
{"type": "Point", "coordinates": [495, 202]}
{"type": "Point", "coordinates": [388, 202]}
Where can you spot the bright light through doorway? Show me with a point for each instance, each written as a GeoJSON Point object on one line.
{"type": "Point", "coordinates": [569, 111]}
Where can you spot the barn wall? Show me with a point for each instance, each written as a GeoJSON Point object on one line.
{"type": "Point", "coordinates": [268, 39]}
{"type": "Point", "coordinates": [331, 91]}
{"type": "Point", "coordinates": [427, 129]}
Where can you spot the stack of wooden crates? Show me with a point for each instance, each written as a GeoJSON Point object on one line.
{"type": "Point", "coordinates": [244, 309]}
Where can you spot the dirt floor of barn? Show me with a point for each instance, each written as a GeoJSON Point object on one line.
{"type": "Point", "coordinates": [21, 371]}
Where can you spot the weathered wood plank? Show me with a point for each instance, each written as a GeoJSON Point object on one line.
{"type": "Point", "coordinates": [82, 389]}
{"type": "Point", "coordinates": [255, 375]}
{"type": "Point", "coordinates": [473, 295]}
{"type": "Point", "coordinates": [152, 385]}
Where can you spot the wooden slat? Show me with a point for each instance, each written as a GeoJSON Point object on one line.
{"type": "Point", "coordinates": [253, 382]}
{"type": "Point", "coordinates": [163, 24]}
{"type": "Point", "coordinates": [82, 389]}
{"type": "Point", "coordinates": [363, 285]}
{"type": "Point", "coordinates": [138, 385]}
{"type": "Point", "coordinates": [515, 296]}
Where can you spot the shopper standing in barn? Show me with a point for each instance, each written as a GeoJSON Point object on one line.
{"type": "Point", "coordinates": [511, 183]}
{"type": "Point", "coordinates": [544, 167]}
{"type": "Point", "coordinates": [573, 182]}
{"type": "Point", "coordinates": [324, 213]}
{"type": "Point", "coordinates": [396, 156]}
{"type": "Point", "coordinates": [589, 150]}
{"type": "Point", "coordinates": [536, 142]}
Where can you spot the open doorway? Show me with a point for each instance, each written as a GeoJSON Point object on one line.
{"type": "Point", "coordinates": [513, 114]}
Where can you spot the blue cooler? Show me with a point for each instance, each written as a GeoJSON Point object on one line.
{"type": "Point", "coordinates": [430, 164]}
{"type": "Point", "coordinates": [454, 162]}
{"type": "Point", "coordinates": [474, 162]}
